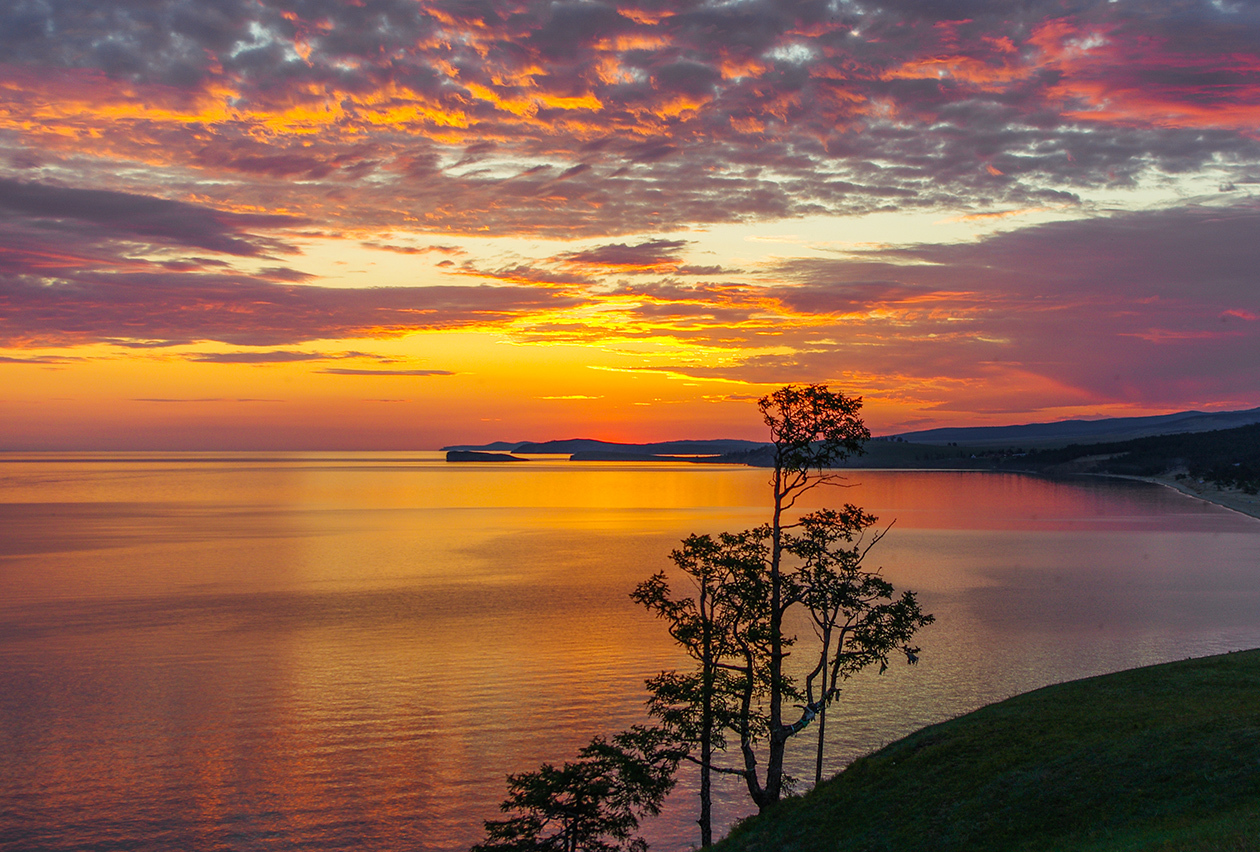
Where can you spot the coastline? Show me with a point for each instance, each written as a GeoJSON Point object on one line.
{"type": "Point", "coordinates": [1245, 504]}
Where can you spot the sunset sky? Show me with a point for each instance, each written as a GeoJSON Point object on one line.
{"type": "Point", "coordinates": [396, 224]}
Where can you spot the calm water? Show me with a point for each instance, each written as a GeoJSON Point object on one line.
{"type": "Point", "coordinates": [351, 651]}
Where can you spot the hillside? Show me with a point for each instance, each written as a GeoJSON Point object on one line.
{"type": "Point", "coordinates": [932, 448]}
{"type": "Point", "coordinates": [1062, 432]}
{"type": "Point", "coordinates": [1230, 458]}
{"type": "Point", "coordinates": [1157, 758]}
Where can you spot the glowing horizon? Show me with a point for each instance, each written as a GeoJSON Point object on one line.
{"type": "Point", "coordinates": [396, 224]}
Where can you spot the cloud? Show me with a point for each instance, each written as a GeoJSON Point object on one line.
{"type": "Point", "coordinates": [651, 256]}
{"type": "Point", "coordinates": [350, 371]}
{"type": "Point", "coordinates": [200, 399]}
{"type": "Point", "coordinates": [1151, 308]}
{"type": "Point", "coordinates": [106, 307]}
{"type": "Point", "coordinates": [454, 250]}
{"type": "Point", "coordinates": [272, 357]}
{"type": "Point", "coordinates": [122, 215]}
{"type": "Point", "coordinates": [594, 119]}
{"type": "Point", "coordinates": [706, 270]}
{"type": "Point", "coordinates": [1145, 306]}
{"type": "Point", "coordinates": [36, 359]}
{"type": "Point", "coordinates": [149, 151]}
{"type": "Point", "coordinates": [596, 264]}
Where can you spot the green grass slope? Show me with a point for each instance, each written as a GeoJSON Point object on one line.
{"type": "Point", "coordinates": [1159, 758]}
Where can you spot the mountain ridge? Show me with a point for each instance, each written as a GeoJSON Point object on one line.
{"type": "Point", "coordinates": [1076, 430]}
{"type": "Point", "coordinates": [1040, 435]}
{"type": "Point", "coordinates": [716, 446]}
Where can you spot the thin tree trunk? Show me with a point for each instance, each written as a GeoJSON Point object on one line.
{"type": "Point", "coordinates": [706, 794]}
{"type": "Point", "coordinates": [824, 656]}
{"type": "Point", "coordinates": [822, 731]}
{"type": "Point", "coordinates": [706, 723]}
{"type": "Point", "coordinates": [755, 790]}
{"type": "Point", "coordinates": [778, 743]}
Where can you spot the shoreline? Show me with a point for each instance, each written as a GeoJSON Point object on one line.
{"type": "Point", "coordinates": [1235, 501]}
{"type": "Point", "coordinates": [1243, 504]}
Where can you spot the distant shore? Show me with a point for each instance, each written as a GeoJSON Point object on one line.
{"type": "Point", "coordinates": [1247, 504]}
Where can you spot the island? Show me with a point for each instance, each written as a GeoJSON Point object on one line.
{"type": "Point", "coordinates": [475, 456]}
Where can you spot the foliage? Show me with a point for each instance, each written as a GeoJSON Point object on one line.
{"type": "Point", "coordinates": [725, 628]}
{"type": "Point", "coordinates": [732, 627]}
{"type": "Point", "coordinates": [592, 804]}
{"type": "Point", "coordinates": [812, 428]}
{"type": "Point", "coordinates": [1157, 758]}
{"type": "Point", "coordinates": [746, 583]}
{"type": "Point", "coordinates": [850, 606]}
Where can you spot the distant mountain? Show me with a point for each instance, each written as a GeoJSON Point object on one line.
{"type": "Point", "coordinates": [1079, 431]}
{"type": "Point", "coordinates": [608, 448]}
{"type": "Point", "coordinates": [908, 449]}
{"type": "Point", "coordinates": [497, 446]}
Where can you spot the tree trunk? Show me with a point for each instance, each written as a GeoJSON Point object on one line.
{"type": "Point", "coordinates": [706, 723]}
{"type": "Point", "coordinates": [706, 795]}
{"type": "Point", "coordinates": [778, 742]}
{"type": "Point", "coordinates": [822, 731]}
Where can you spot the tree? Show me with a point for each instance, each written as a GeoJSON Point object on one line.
{"type": "Point", "coordinates": [723, 628]}
{"type": "Point", "coordinates": [732, 627]}
{"type": "Point", "coordinates": [593, 804]}
{"type": "Point", "coordinates": [853, 607]}
{"type": "Point", "coordinates": [812, 429]}
{"type": "Point", "coordinates": [746, 583]}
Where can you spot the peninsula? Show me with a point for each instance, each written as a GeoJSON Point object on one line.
{"type": "Point", "coordinates": [1212, 456]}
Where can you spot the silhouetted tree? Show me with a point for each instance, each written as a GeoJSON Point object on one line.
{"type": "Point", "coordinates": [592, 804]}
{"type": "Point", "coordinates": [724, 628]}
{"type": "Point", "coordinates": [733, 628]}
{"type": "Point", "coordinates": [856, 620]}
{"type": "Point", "coordinates": [745, 585]}
{"type": "Point", "coordinates": [812, 429]}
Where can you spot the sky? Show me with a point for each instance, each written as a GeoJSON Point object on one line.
{"type": "Point", "coordinates": [399, 224]}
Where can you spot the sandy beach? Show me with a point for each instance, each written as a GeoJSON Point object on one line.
{"type": "Point", "coordinates": [1248, 504]}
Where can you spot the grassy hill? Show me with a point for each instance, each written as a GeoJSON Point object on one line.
{"type": "Point", "coordinates": [1159, 758]}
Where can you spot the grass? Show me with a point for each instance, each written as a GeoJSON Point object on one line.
{"type": "Point", "coordinates": [1159, 758]}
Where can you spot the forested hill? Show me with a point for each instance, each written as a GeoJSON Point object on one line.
{"type": "Point", "coordinates": [1228, 457]}
{"type": "Point", "coordinates": [1058, 433]}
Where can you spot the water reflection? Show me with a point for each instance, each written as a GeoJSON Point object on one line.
{"type": "Point", "coordinates": [351, 651]}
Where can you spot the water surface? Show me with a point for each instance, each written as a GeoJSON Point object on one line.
{"type": "Point", "coordinates": [350, 651]}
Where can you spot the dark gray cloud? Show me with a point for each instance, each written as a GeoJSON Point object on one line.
{"type": "Point", "coordinates": [175, 308]}
{"type": "Point", "coordinates": [1150, 307]}
{"type": "Point", "coordinates": [635, 117]}
{"type": "Point", "coordinates": [1158, 308]}
{"type": "Point", "coordinates": [138, 217]}
{"type": "Point", "coordinates": [649, 255]}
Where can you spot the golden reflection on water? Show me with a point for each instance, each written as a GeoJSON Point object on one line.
{"type": "Point", "coordinates": [350, 651]}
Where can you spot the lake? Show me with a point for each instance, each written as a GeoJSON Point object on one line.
{"type": "Point", "coordinates": [351, 650]}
